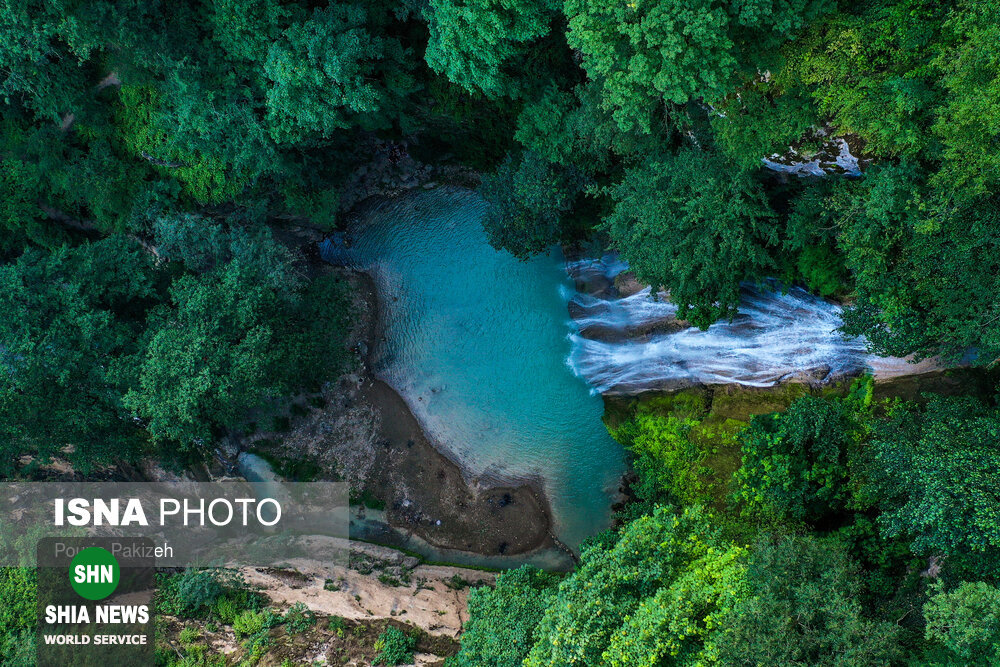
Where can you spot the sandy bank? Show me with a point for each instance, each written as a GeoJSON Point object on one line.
{"type": "Point", "coordinates": [379, 583]}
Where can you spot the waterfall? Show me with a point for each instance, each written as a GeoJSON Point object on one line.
{"type": "Point", "coordinates": [625, 341]}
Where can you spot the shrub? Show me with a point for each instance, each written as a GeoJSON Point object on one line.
{"type": "Point", "coordinates": [197, 590]}
{"type": "Point", "coordinates": [299, 618]}
{"type": "Point", "coordinates": [226, 609]}
{"type": "Point", "coordinates": [395, 647]}
{"type": "Point", "coordinates": [249, 623]}
{"type": "Point", "coordinates": [194, 592]}
{"type": "Point", "coordinates": [666, 458]}
{"type": "Point", "coordinates": [189, 635]}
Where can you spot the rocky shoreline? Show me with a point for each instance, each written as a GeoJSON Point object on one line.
{"type": "Point", "coordinates": [391, 171]}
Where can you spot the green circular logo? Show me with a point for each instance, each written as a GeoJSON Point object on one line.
{"type": "Point", "coordinates": [94, 573]}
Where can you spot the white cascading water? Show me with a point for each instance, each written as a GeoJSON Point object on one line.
{"type": "Point", "coordinates": [632, 343]}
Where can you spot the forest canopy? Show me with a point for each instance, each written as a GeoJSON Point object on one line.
{"type": "Point", "coordinates": [155, 156]}
{"type": "Point", "coordinates": [588, 120]}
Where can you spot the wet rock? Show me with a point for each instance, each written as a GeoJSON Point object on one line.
{"type": "Point", "coordinates": [229, 447]}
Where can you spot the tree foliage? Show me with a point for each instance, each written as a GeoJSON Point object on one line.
{"type": "Point", "coordinates": [968, 121]}
{"type": "Point", "coordinates": [503, 619]}
{"type": "Point", "coordinates": [803, 607]}
{"type": "Point", "coordinates": [98, 340]}
{"type": "Point", "coordinates": [934, 475]}
{"type": "Point", "coordinates": [908, 252]}
{"type": "Point", "coordinates": [690, 224]}
{"type": "Point", "coordinates": [647, 54]}
{"type": "Point", "coordinates": [655, 593]}
{"type": "Point", "coordinates": [528, 198]}
{"type": "Point", "coordinates": [18, 588]}
{"type": "Point", "coordinates": [326, 74]}
{"type": "Point", "coordinates": [479, 44]}
{"type": "Point", "coordinates": [795, 462]}
{"type": "Point", "coordinates": [666, 457]}
{"type": "Point", "coordinates": [68, 323]}
{"type": "Point", "coordinates": [965, 622]}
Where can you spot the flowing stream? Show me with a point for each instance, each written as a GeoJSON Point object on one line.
{"type": "Point", "coordinates": [503, 361]}
{"type": "Point", "coordinates": [628, 342]}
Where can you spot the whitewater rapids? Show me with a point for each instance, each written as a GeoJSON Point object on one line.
{"type": "Point", "coordinates": [624, 341]}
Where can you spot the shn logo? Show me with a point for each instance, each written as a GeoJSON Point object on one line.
{"type": "Point", "coordinates": [94, 573]}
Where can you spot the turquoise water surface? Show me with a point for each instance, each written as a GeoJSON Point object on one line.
{"type": "Point", "coordinates": [476, 341]}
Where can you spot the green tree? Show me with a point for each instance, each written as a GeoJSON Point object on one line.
{"type": "Point", "coordinates": [245, 29]}
{"type": "Point", "coordinates": [966, 623]}
{"type": "Point", "coordinates": [574, 130]}
{"type": "Point", "coordinates": [529, 198]}
{"type": "Point", "coordinates": [655, 594]}
{"type": "Point", "coordinates": [209, 361]}
{"type": "Point", "coordinates": [503, 618]}
{"type": "Point", "coordinates": [666, 458]}
{"type": "Point", "coordinates": [63, 182]}
{"type": "Point", "coordinates": [197, 241]}
{"type": "Point", "coordinates": [238, 330]}
{"type": "Point", "coordinates": [692, 224]}
{"type": "Point", "coordinates": [645, 53]}
{"type": "Point", "coordinates": [795, 462]}
{"type": "Point", "coordinates": [867, 72]}
{"type": "Point", "coordinates": [812, 255]}
{"type": "Point", "coordinates": [479, 44]}
{"type": "Point", "coordinates": [18, 615]}
{"type": "Point", "coordinates": [198, 128]}
{"type": "Point", "coordinates": [934, 475]}
{"type": "Point", "coordinates": [213, 353]}
{"type": "Point", "coordinates": [765, 118]}
{"type": "Point", "coordinates": [681, 624]}
{"type": "Point", "coordinates": [20, 214]}
{"type": "Point", "coordinates": [44, 53]}
{"type": "Point", "coordinates": [969, 119]}
{"type": "Point", "coordinates": [330, 73]}
{"type": "Point", "coordinates": [803, 607]}
{"type": "Point", "coordinates": [68, 322]}
{"type": "Point", "coordinates": [925, 271]}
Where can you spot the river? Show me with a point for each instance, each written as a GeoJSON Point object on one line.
{"type": "Point", "coordinates": [483, 348]}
